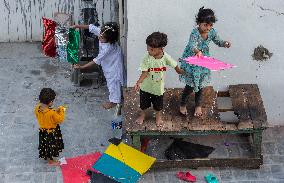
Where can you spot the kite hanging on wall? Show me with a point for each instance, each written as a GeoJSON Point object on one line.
{"type": "Point", "coordinates": [48, 42]}
{"type": "Point", "coordinates": [61, 42]}
{"type": "Point", "coordinates": [61, 38]}
{"type": "Point", "coordinates": [73, 46]}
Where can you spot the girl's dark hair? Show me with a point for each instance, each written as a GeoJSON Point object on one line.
{"type": "Point", "coordinates": [110, 32]}
{"type": "Point", "coordinates": [157, 40]}
{"type": "Point", "coordinates": [205, 16]}
{"type": "Point", "coordinates": [46, 95]}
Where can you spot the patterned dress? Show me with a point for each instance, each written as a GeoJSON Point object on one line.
{"type": "Point", "coordinates": [196, 76]}
{"type": "Point", "coordinates": [50, 137]}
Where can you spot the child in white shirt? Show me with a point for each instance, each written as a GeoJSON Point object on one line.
{"type": "Point", "coordinates": [110, 58]}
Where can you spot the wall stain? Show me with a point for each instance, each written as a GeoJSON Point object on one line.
{"type": "Point", "coordinates": [7, 6]}
{"type": "Point", "coordinates": [24, 18]}
{"type": "Point", "coordinates": [271, 10]}
{"type": "Point", "coordinates": [261, 54]}
{"type": "Point", "coordinates": [9, 12]}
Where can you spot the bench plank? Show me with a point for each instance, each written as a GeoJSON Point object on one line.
{"type": "Point", "coordinates": [248, 105]}
{"type": "Point", "coordinates": [256, 108]}
{"type": "Point", "coordinates": [172, 120]}
{"type": "Point", "coordinates": [130, 109]}
{"type": "Point", "coordinates": [195, 163]}
{"type": "Point", "coordinates": [240, 104]}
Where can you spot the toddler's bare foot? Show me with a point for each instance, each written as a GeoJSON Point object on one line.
{"type": "Point", "coordinates": [140, 119]}
{"type": "Point", "coordinates": [53, 163]}
{"type": "Point", "coordinates": [108, 105]}
{"type": "Point", "coordinates": [159, 121]}
{"type": "Point", "coordinates": [198, 111]}
{"type": "Point", "coordinates": [183, 110]}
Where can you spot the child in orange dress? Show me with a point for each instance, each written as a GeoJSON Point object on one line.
{"type": "Point", "coordinates": [50, 137]}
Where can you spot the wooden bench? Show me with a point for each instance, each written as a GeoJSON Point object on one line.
{"type": "Point", "coordinates": [246, 104]}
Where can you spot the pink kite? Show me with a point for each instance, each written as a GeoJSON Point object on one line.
{"type": "Point", "coordinates": [208, 62]}
{"type": "Point", "coordinates": [75, 169]}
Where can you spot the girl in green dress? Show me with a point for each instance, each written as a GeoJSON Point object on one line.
{"type": "Point", "coordinates": [196, 77]}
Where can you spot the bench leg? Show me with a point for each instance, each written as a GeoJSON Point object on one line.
{"type": "Point", "coordinates": [257, 139]}
{"type": "Point", "coordinates": [136, 142]}
{"type": "Point", "coordinates": [144, 144]}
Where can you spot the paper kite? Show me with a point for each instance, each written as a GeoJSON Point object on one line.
{"type": "Point", "coordinates": [123, 163]}
{"type": "Point", "coordinates": [73, 46]}
{"type": "Point", "coordinates": [60, 42]}
{"type": "Point", "coordinates": [74, 169]}
{"type": "Point", "coordinates": [48, 42]}
{"type": "Point", "coordinates": [208, 62]}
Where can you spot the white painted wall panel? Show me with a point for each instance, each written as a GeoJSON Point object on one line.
{"type": "Point", "coordinates": [21, 19]}
{"type": "Point", "coordinates": [246, 24]}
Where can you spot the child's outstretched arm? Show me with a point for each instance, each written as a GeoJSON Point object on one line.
{"type": "Point", "coordinates": [218, 41]}
{"type": "Point", "coordinates": [92, 28]}
{"type": "Point", "coordinates": [80, 26]}
{"type": "Point", "coordinates": [197, 52]}
{"type": "Point", "coordinates": [103, 52]}
{"type": "Point", "coordinates": [172, 63]}
{"type": "Point", "coordinates": [140, 80]}
{"type": "Point", "coordinates": [179, 70]}
{"type": "Point", "coordinates": [88, 65]}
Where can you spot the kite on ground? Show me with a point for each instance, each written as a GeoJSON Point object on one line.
{"type": "Point", "coordinates": [123, 163]}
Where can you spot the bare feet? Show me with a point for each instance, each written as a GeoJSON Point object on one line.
{"type": "Point", "coordinates": [183, 110]}
{"type": "Point", "coordinates": [198, 111]}
{"type": "Point", "coordinates": [53, 163]}
{"type": "Point", "coordinates": [108, 105]}
{"type": "Point", "coordinates": [159, 121]}
{"type": "Point", "coordinates": [140, 119]}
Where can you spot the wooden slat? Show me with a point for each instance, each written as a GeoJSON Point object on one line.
{"type": "Point", "coordinates": [208, 95]}
{"type": "Point", "coordinates": [255, 105]}
{"type": "Point", "coordinates": [223, 94]}
{"type": "Point", "coordinates": [225, 110]}
{"type": "Point", "coordinates": [131, 110]}
{"type": "Point", "coordinates": [195, 163]}
{"type": "Point", "coordinates": [209, 124]}
{"type": "Point", "coordinates": [251, 106]}
{"type": "Point", "coordinates": [240, 102]}
{"type": "Point", "coordinates": [210, 119]}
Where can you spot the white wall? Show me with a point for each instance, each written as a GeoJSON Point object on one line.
{"type": "Point", "coordinates": [21, 19]}
{"type": "Point", "coordinates": [246, 24]}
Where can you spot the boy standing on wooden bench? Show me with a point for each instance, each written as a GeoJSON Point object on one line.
{"type": "Point", "coordinates": [151, 81]}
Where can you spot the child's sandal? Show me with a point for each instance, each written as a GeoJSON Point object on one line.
{"type": "Point", "coordinates": [186, 176]}
{"type": "Point", "coordinates": [211, 178]}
